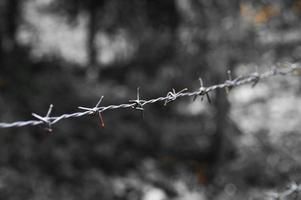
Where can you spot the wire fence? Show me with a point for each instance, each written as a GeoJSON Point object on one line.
{"type": "Point", "coordinates": [139, 103]}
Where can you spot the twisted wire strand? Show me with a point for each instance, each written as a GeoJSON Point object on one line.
{"type": "Point", "coordinates": [139, 104]}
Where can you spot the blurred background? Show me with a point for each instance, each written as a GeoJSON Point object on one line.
{"type": "Point", "coordinates": [70, 52]}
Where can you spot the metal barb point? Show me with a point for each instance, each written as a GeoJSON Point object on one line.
{"type": "Point", "coordinates": [138, 93]}
{"type": "Point", "coordinates": [256, 79]}
{"type": "Point", "coordinates": [208, 97]}
{"type": "Point", "coordinates": [201, 82]}
{"type": "Point", "coordinates": [229, 74]}
{"type": "Point", "coordinates": [49, 110]}
{"type": "Point", "coordinates": [100, 100]}
{"type": "Point", "coordinates": [229, 82]}
{"type": "Point", "coordinates": [102, 123]}
{"type": "Point", "coordinates": [95, 108]}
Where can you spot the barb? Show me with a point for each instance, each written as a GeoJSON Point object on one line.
{"type": "Point", "coordinates": [173, 95]}
{"type": "Point", "coordinates": [203, 91]}
{"type": "Point", "coordinates": [94, 110]}
{"type": "Point", "coordinates": [139, 104]}
{"type": "Point", "coordinates": [45, 119]}
{"type": "Point", "coordinates": [229, 81]}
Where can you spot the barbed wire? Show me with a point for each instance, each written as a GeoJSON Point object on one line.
{"type": "Point", "coordinates": [139, 103]}
{"type": "Point", "coordinates": [292, 189]}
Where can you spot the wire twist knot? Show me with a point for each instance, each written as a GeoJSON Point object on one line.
{"type": "Point", "coordinates": [173, 95]}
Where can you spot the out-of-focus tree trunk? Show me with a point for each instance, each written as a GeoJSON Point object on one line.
{"type": "Point", "coordinates": [1, 42]}
{"type": "Point", "coordinates": [92, 71]}
{"type": "Point", "coordinates": [12, 17]}
{"type": "Point", "coordinates": [10, 12]}
{"type": "Point", "coordinates": [218, 148]}
{"type": "Point", "coordinates": [219, 54]}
